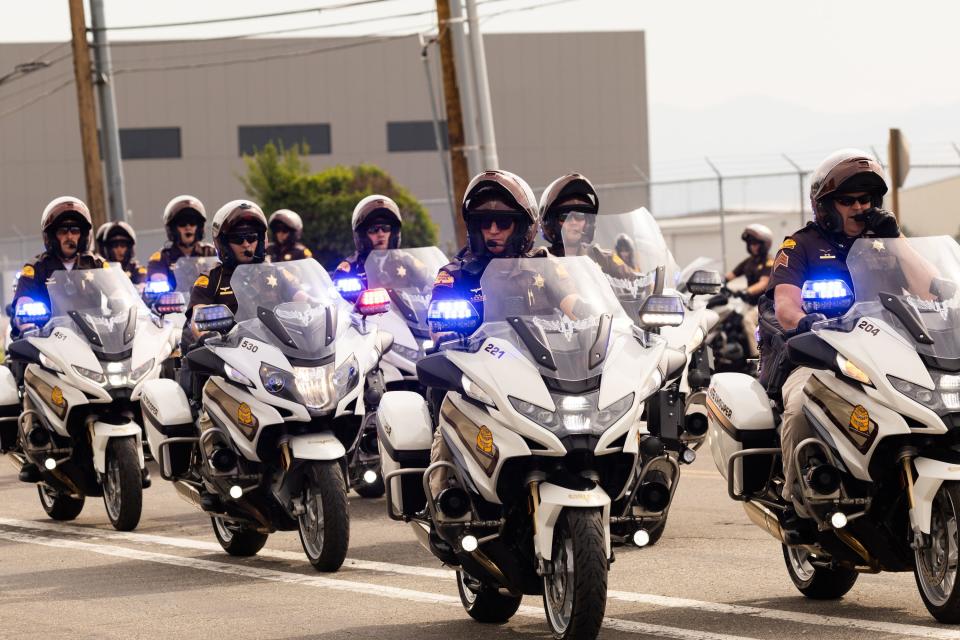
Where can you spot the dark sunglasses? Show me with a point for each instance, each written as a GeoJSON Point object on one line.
{"type": "Point", "coordinates": [848, 201]}
{"type": "Point", "coordinates": [240, 238]}
{"type": "Point", "coordinates": [379, 228]}
{"type": "Point", "coordinates": [118, 243]}
{"type": "Point", "coordinates": [72, 230]}
{"type": "Point", "coordinates": [577, 216]}
{"type": "Point", "coordinates": [504, 221]}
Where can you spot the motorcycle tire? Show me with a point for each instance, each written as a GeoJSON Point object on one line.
{"type": "Point", "coordinates": [237, 539]}
{"type": "Point", "coordinates": [937, 580]}
{"type": "Point", "coordinates": [123, 484]}
{"type": "Point", "coordinates": [817, 583]}
{"type": "Point", "coordinates": [486, 604]}
{"type": "Point", "coordinates": [59, 506]}
{"type": "Point", "coordinates": [575, 592]}
{"type": "Point", "coordinates": [325, 523]}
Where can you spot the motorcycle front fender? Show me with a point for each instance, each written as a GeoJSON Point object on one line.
{"type": "Point", "coordinates": [930, 475]}
{"type": "Point", "coordinates": [316, 446]}
{"type": "Point", "coordinates": [101, 432]}
{"type": "Point", "coordinates": [553, 500]}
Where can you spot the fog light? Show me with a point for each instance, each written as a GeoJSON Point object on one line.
{"type": "Point", "coordinates": [236, 492]}
{"type": "Point", "coordinates": [641, 538]}
{"type": "Point", "coordinates": [50, 464]}
{"type": "Point", "coordinates": [688, 456]}
{"type": "Point", "coordinates": [838, 520]}
{"type": "Point", "coordinates": [369, 476]}
{"type": "Point", "coordinates": [469, 543]}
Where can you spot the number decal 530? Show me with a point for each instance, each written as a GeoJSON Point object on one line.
{"type": "Point", "coordinates": [494, 350]}
{"type": "Point", "coordinates": [869, 327]}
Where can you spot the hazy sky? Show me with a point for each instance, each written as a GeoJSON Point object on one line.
{"type": "Point", "coordinates": [861, 59]}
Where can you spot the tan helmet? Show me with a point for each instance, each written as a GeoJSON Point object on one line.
{"type": "Point", "coordinates": [844, 171]}
{"type": "Point", "coordinates": [288, 218]}
{"type": "Point", "coordinates": [120, 228]}
{"type": "Point", "coordinates": [761, 233]}
{"type": "Point", "coordinates": [99, 237]}
{"type": "Point", "coordinates": [371, 207]}
{"type": "Point", "coordinates": [181, 205]}
{"type": "Point", "coordinates": [228, 217]}
{"type": "Point", "coordinates": [572, 192]}
{"type": "Point", "coordinates": [60, 210]}
{"type": "Point", "coordinates": [507, 188]}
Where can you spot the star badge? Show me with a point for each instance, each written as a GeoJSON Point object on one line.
{"type": "Point", "coordinates": [402, 271]}
{"type": "Point", "coordinates": [878, 245]}
{"type": "Point", "coordinates": [88, 276]}
{"type": "Point", "coordinates": [538, 281]}
{"type": "Point", "coordinates": [272, 280]}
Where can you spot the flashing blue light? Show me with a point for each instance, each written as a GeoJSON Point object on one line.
{"type": "Point", "coordinates": [826, 295]}
{"type": "Point", "coordinates": [349, 285]}
{"type": "Point", "coordinates": [450, 310]}
{"type": "Point", "coordinates": [32, 310]}
{"type": "Point", "coordinates": [156, 287]}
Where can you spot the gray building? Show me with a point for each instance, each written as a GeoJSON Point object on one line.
{"type": "Point", "coordinates": [188, 110]}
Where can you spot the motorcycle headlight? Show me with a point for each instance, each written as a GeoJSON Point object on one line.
{"type": "Point", "coordinates": [944, 398]}
{"type": "Point", "coordinates": [543, 417]}
{"type": "Point", "coordinates": [90, 374]}
{"type": "Point", "coordinates": [346, 377]}
{"type": "Point", "coordinates": [313, 385]}
{"type": "Point", "coordinates": [576, 413]}
{"type": "Point", "coordinates": [406, 352]}
{"type": "Point", "coordinates": [236, 376]}
{"type": "Point", "coordinates": [474, 391]}
{"type": "Point", "coordinates": [142, 370]}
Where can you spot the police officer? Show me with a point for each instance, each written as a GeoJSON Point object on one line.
{"type": "Point", "coordinates": [756, 269]}
{"type": "Point", "coordinates": [65, 226]}
{"type": "Point", "coordinates": [119, 240]}
{"type": "Point", "coordinates": [184, 218]}
{"type": "Point", "coordinates": [377, 225]}
{"type": "Point", "coordinates": [287, 229]}
{"type": "Point", "coordinates": [846, 192]}
{"type": "Point", "coordinates": [568, 212]}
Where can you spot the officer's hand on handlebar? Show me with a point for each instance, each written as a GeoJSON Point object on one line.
{"type": "Point", "coordinates": [807, 322]}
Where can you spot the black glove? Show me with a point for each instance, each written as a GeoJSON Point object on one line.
{"type": "Point", "coordinates": [881, 222]}
{"type": "Point", "coordinates": [806, 322]}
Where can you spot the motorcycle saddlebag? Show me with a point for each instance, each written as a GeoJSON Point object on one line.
{"type": "Point", "coordinates": [166, 414]}
{"type": "Point", "coordinates": [740, 418]}
{"type": "Point", "coordinates": [405, 433]}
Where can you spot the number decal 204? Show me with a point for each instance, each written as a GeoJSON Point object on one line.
{"type": "Point", "coordinates": [869, 327]}
{"type": "Point", "coordinates": [494, 350]}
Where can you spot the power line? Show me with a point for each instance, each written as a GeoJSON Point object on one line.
{"type": "Point", "coordinates": [24, 69]}
{"type": "Point", "coordinates": [344, 5]}
{"type": "Point", "coordinates": [37, 98]}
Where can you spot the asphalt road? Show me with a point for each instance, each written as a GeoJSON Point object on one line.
{"type": "Point", "coordinates": [713, 576]}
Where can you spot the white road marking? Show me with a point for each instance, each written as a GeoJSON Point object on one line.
{"type": "Point", "coordinates": [337, 584]}
{"type": "Point", "coordinates": [901, 629]}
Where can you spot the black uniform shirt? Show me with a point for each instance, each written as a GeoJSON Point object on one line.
{"type": "Point", "coordinates": [161, 261]}
{"type": "Point", "coordinates": [286, 252]}
{"type": "Point", "coordinates": [809, 255]}
{"type": "Point", "coordinates": [754, 268]}
{"type": "Point", "coordinates": [36, 275]}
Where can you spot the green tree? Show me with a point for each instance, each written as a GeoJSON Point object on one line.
{"type": "Point", "coordinates": [279, 178]}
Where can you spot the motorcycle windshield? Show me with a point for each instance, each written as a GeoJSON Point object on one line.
{"type": "Point", "coordinates": [558, 312]}
{"type": "Point", "coordinates": [631, 253]}
{"type": "Point", "coordinates": [101, 305]}
{"type": "Point", "coordinates": [186, 271]}
{"type": "Point", "coordinates": [292, 305]}
{"type": "Point", "coordinates": [408, 275]}
{"type": "Point", "coordinates": [912, 284]}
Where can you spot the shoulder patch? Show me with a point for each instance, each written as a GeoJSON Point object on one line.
{"type": "Point", "coordinates": [617, 260]}
{"type": "Point", "coordinates": [783, 260]}
{"type": "Point", "coordinates": [28, 271]}
{"type": "Point", "coordinates": [789, 243]}
{"type": "Point", "coordinates": [155, 256]}
{"type": "Point", "coordinates": [105, 265]}
{"type": "Point", "coordinates": [142, 271]}
{"type": "Point", "coordinates": [202, 281]}
{"type": "Point", "coordinates": [344, 266]}
{"type": "Point", "coordinates": [307, 253]}
{"type": "Point", "coordinates": [444, 279]}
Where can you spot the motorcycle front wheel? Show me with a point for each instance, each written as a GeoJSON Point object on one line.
{"type": "Point", "coordinates": [123, 484]}
{"type": "Point", "coordinates": [237, 539]}
{"type": "Point", "coordinates": [936, 565]}
{"type": "Point", "coordinates": [58, 505]}
{"type": "Point", "coordinates": [325, 521]}
{"type": "Point", "coordinates": [485, 604]}
{"type": "Point", "coordinates": [815, 581]}
{"type": "Point", "coordinates": [575, 591]}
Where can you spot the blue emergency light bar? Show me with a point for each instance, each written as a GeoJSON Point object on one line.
{"type": "Point", "coordinates": [452, 315]}
{"type": "Point", "coordinates": [157, 287]}
{"type": "Point", "coordinates": [349, 285]}
{"type": "Point", "coordinates": [32, 310]}
{"type": "Point", "coordinates": [826, 295]}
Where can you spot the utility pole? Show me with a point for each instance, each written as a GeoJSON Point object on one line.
{"type": "Point", "coordinates": [437, 133]}
{"type": "Point", "coordinates": [117, 198]}
{"type": "Point", "coordinates": [898, 155]}
{"type": "Point", "coordinates": [723, 214]}
{"type": "Point", "coordinates": [463, 55]}
{"type": "Point", "coordinates": [93, 172]}
{"type": "Point", "coordinates": [451, 97]}
{"type": "Point", "coordinates": [490, 159]}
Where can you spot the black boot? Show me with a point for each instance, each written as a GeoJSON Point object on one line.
{"type": "Point", "coordinates": [797, 530]}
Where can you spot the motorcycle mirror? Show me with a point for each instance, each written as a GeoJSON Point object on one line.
{"type": "Point", "coordinates": [458, 316]}
{"type": "Point", "coordinates": [664, 310]}
{"type": "Point", "coordinates": [704, 282]}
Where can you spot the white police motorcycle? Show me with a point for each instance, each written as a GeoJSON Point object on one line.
{"type": "Point", "coordinates": [79, 433]}
{"type": "Point", "coordinates": [267, 451]}
{"type": "Point", "coordinates": [881, 478]}
{"type": "Point", "coordinates": [541, 419]}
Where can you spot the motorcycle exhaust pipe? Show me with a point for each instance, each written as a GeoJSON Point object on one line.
{"type": "Point", "coordinates": [453, 502]}
{"type": "Point", "coordinates": [695, 424]}
{"type": "Point", "coordinates": [223, 459]}
{"type": "Point", "coordinates": [764, 518]}
{"type": "Point", "coordinates": [653, 496]}
{"type": "Point", "coordinates": [825, 479]}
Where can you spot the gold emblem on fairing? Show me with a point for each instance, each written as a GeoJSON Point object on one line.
{"type": "Point", "coordinates": [860, 419]}
{"type": "Point", "coordinates": [272, 280]}
{"type": "Point", "coordinates": [538, 281]}
{"type": "Point", "coordinates": [402, 271]}
{"type": "Point", "coordinates": [56, 397]}
{"type": "Point", "coordinates": [245, 415]}
{"type": "Point", "coordinates": [485, 441]}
